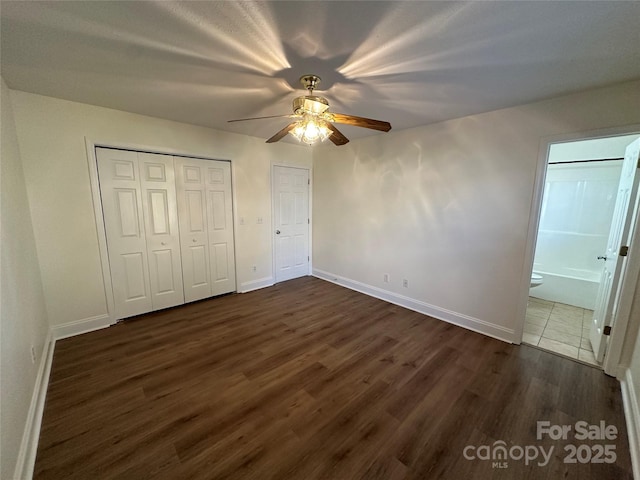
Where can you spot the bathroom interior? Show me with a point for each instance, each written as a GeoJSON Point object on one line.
{"type": "Point", "coordinates": [577, 208]}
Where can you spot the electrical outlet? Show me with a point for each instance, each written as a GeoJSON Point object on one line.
{"type": "Point", "coordinates": [241, 220]}
{"type": "Point", "coordinates": [386, 278]}
{"type": "Point", "coordinates": [253, 268]}
{"type": "Point", "coordinates": [33, 354]}
{"type": "Point", "coordinates": [259, 220]}
{"type": "Point", "coordinates": [405, 283]}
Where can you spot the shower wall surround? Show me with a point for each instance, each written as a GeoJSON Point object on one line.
{"type": "Point", "coordinates": [576, 216]}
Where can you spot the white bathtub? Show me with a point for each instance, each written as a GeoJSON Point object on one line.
{"type": "Point", "coordinates": [579, 289]}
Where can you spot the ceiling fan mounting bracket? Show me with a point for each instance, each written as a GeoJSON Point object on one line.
{"type": "Point", "coordinates": [310, 82]}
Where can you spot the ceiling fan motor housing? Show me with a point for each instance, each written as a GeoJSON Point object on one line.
{"type": "Point", "coordinates": [310, 104]}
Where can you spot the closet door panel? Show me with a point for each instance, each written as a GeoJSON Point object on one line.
{"type": "Point", "coordinates": [162, 261]}
{"type": "Point", "coordinates": [134, 284]}
{"type": "Point", "coordinates": [220, 223]}
{"type": "Point", "coordinates": [192, 214]}
{"type": "Point", "coordinates": [118, 173]}
{"type": "Point", "coordinates": [161, 228]}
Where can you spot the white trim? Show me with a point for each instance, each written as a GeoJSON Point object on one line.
{"type": "Point", "coordinates": [236, 221]}
{"type": "Point", "coordinates": [532, 236]}
{"type": "Point", "coordinates": [310, 204]}
{"type": "Point", "coordinates": [465, 321]}
{"type": "Point", "coordinates": [29, 444]}
{"type": "Point", "coordinates": [78, 327]}
{"type": "Point", "coordinates": [246, 287]}
{"type": "Point", "coordinates": [273, 215]}
{"type": "Point", "coordinates": [100, 230]}
{"type": "Point", "coordinates": [137, 147]}
{"type": "Point", "coordinates": [632, 415]}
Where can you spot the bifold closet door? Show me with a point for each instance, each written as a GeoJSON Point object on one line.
{"type": "Point", "coordinates": [124, 225]}
{"type": "Point", "coordinates": [220, 227]}
{"type": "Point", "coordinates": [206, 227]}
{"type": "Point", "coordinates": [140, 215]}
{"type": "Point", "coordinates": [192, 214]}
{"type": "Point", "coordinates": [158, 184]}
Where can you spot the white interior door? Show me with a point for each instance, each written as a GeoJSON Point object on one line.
{"type": "Point", "coordinates": [621, 224]}
{"type": "Point", "coordinates": [122, 206]}
{"type": "Point", "coordinates": [220, 226]}
{"type": "Point", "coordinates": [291, 222]}
{"type": "Point", "coordinates": [192, 214]}
{"type": "Point", "coordinates": [157, 180]}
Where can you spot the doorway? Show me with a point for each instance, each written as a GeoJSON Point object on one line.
{"type": "Point", "coordinates": [578, 203]}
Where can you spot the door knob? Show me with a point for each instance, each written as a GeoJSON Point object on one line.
{"type": "Point", "coordinates": [163, 243]}
{"type": "Point", "coordinates": [194, 240]}
{"type": "Point", "coordinates": [277, 232]}
{"type": "Point", "coordinates": [603, 258]}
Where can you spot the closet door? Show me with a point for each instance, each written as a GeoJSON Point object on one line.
{"type": "Point", "coordinates": [122, 207]}
{"type": "Point", "coordinates": [220, 222]}
{"type": "Point", "coordinates": [192, 214]}
{"type": "Point", "coordinates": [157, 180]}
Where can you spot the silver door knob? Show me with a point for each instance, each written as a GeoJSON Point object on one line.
{"type": "Point", "coordinates": [277, 232]}
{"type": "Point", "coordinates": [603, 258]}
{"type": "Point", "coordinates": [162, 243]}
{"type": "Point", "coordinates": [194, 240]}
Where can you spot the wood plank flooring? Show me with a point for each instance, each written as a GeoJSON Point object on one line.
{"type": "Point", "coordinates": [308, 380]}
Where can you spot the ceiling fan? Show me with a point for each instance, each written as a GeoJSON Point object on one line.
{"type": "Point", "coordinates": [314, 121]}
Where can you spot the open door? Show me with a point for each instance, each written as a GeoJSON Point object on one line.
{"type": "Point", "coordinates": [613, 258]}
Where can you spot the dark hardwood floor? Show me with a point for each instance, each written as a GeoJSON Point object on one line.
{"type": "Point", "coordinates": [308, 380]}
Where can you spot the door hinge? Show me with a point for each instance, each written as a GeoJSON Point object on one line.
{"type": "Point", "coordinates": [307, 258]}
{"type": "Point", "coordinates": [308, 181]}
{"type": "Point", "coordinates": [308, 221]}
{"type": "Point", "coordinates": [607, 330]}
{"type": "Point", "coordinates": [624, 251]}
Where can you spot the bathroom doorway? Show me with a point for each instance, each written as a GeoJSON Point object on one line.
{"type": "Point", "coordinates": [578, 201]}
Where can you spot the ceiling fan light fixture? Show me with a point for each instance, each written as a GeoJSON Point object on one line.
{"type": "Point", "coordinates": [309, 130]}
{"type": "Point", "coordinates": [315, 122]}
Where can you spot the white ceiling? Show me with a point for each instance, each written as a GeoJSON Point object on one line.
{"type": "Point", "coordinates": [410, 63]}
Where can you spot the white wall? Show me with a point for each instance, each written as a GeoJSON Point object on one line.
{"type": "Point", "coordinates": [51, 135]}
{"type": "Point", "coordinates": [447, 206]}
{"type": "Point", "coordinates": [23, 319]}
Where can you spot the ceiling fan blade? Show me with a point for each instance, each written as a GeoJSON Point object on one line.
{"type": "Point", "coordinates": [291, 115]}
{"type": "Point", "coordinates": [361, 122]}
{"type": "Point", "coordinates": [282, 133]}
{"type": "Point", "coordinates": [336, 136]}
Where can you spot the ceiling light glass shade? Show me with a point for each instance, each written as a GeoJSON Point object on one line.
{"type": "Point", "coordinates": [310, 129]}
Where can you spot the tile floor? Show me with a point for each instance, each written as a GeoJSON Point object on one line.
{"type": "Point", "coordinates": [559, 328]}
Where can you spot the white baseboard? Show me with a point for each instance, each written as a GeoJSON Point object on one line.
{"type": "Point", "coordinates": [29, 444]}
{"type": "Point", "coordinates": [78, 327]}
{"type": "Point", "coordinates": [255, 284]}
{"type": "Point", "coordinates": [465, 321]}
{"type": "Point", "coordinates": [632, 415]}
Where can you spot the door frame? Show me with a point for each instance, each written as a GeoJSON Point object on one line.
{"type": "Point", "coordinates": [92, 163]}
{"type": "Point", "coordinates": [613, 358]}
{"type": "Point", "coordinates": [273, 215]}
